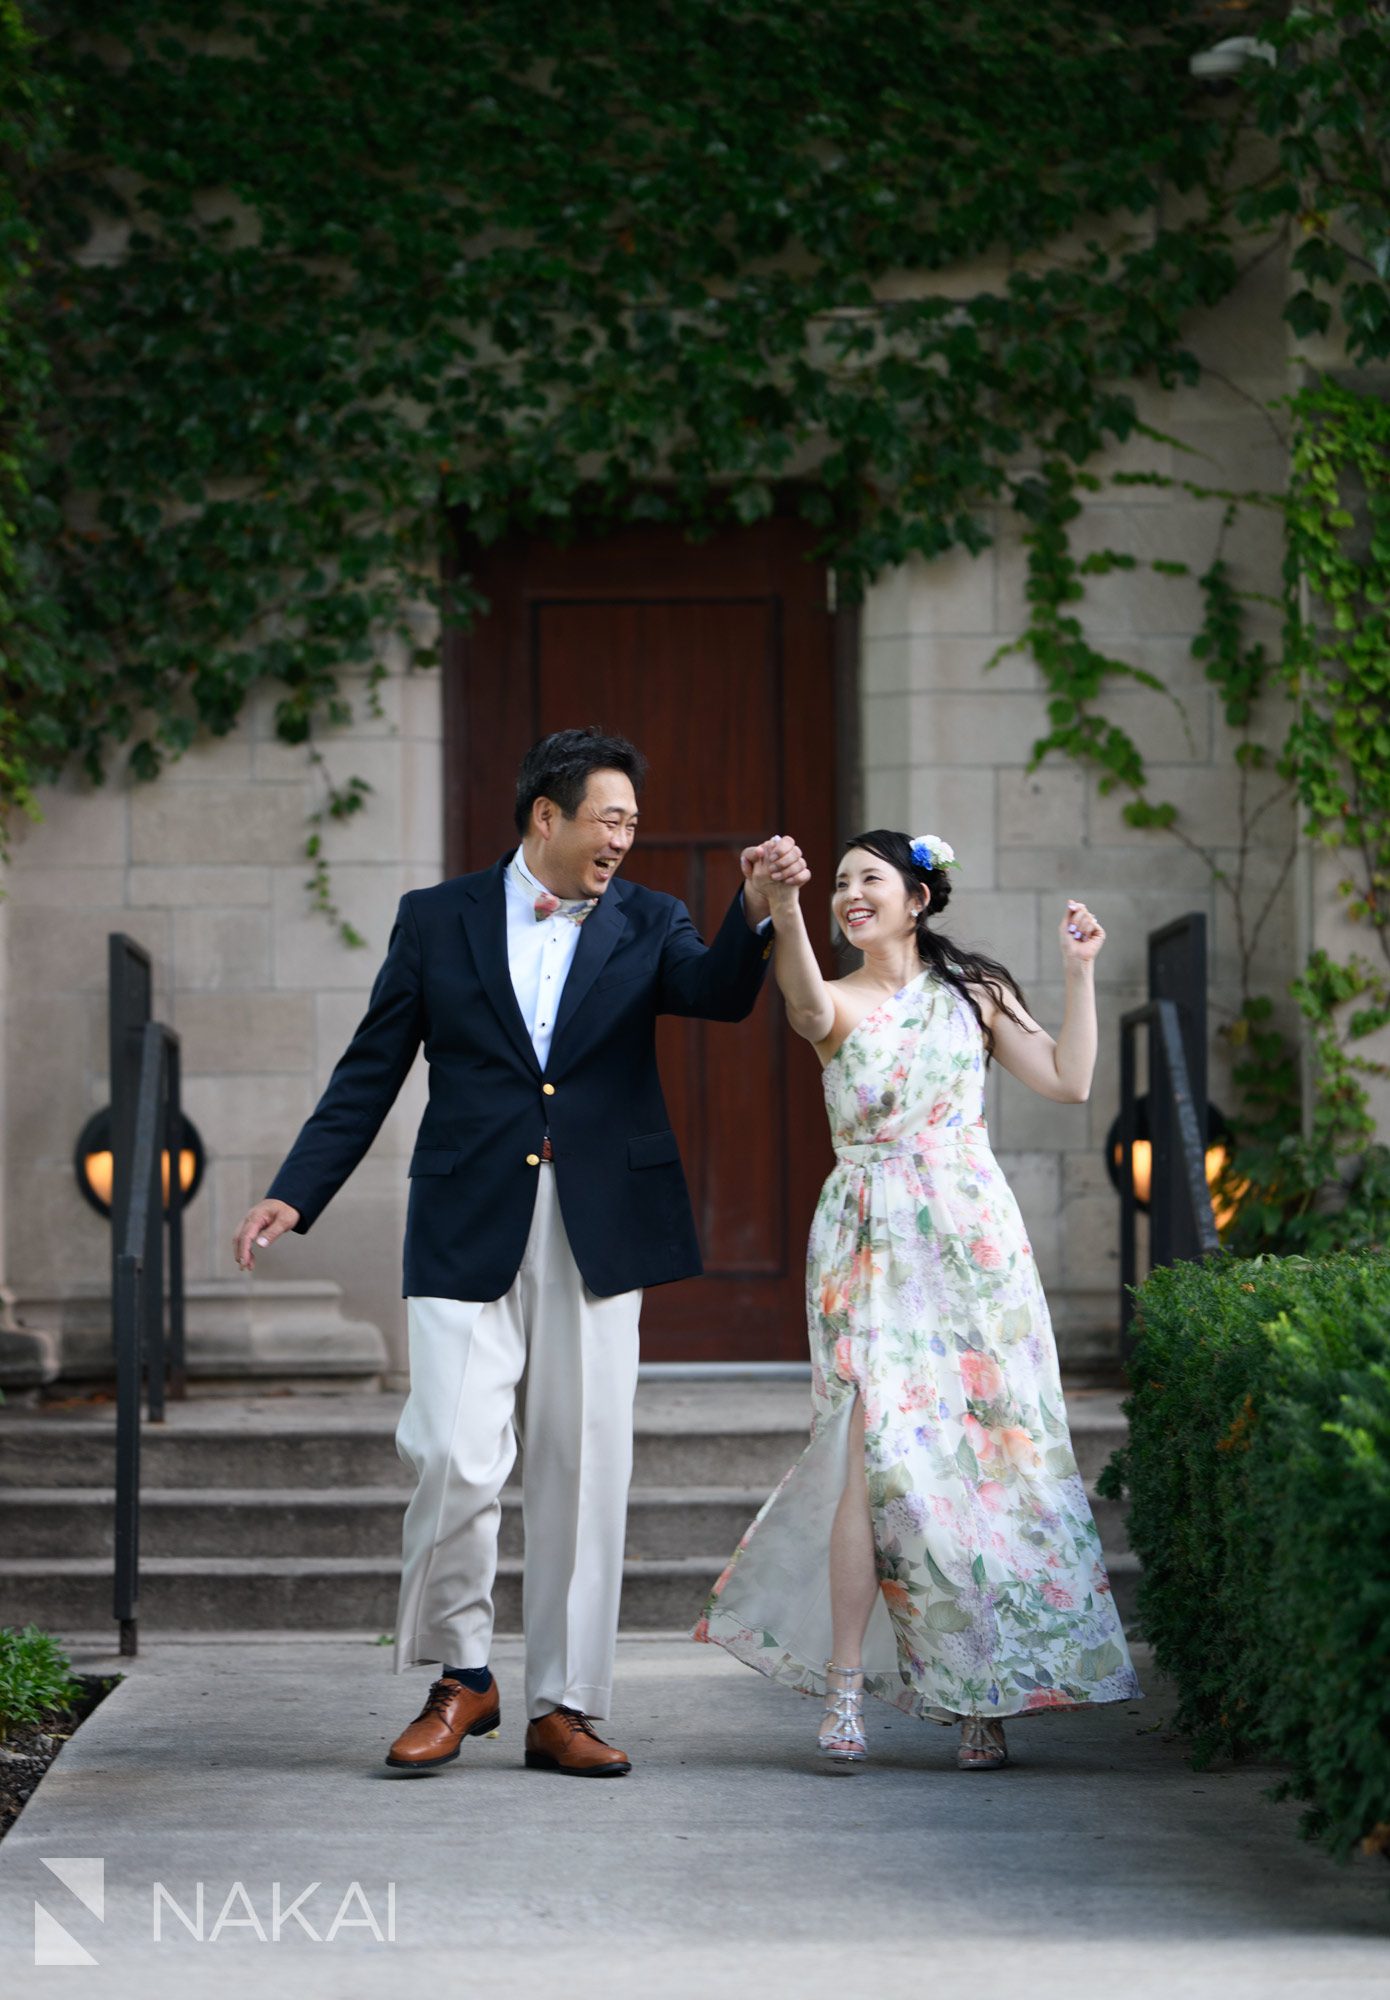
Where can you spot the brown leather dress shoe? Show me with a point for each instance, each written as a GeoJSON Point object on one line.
{"type": "Point", "coordinates": [450, 1713]}
{"type": "Point", "coordinates": [565, 1740]}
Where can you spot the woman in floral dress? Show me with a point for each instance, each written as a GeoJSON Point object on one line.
{"type": "Point", "coordinates": [933, 1544]}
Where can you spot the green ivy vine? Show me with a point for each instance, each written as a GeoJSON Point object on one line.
{"type": "Point", "coordinates": [1337, 658]}
{"type": "Point", "coordinates": [1286, 1187]}
{"type": "Point", "coordinates": [286, 291]}
{"type": "Point", "coordinates": [25, 129]}
{"type": "Point", "coordinates": [307, 281]}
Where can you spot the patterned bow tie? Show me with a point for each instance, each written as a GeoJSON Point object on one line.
{"type": "Point", "coordinates": [547, 905]}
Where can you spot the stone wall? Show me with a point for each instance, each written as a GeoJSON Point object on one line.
{"type": "Point", "coordinates": [206, 869]}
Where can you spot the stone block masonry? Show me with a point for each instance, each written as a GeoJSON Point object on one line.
{"type": "Point", "coordinates": [206, 869]}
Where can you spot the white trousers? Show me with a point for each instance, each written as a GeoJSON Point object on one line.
{"type": "Point", "coordinates": [552, 1367]}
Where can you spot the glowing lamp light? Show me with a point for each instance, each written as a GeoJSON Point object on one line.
{"type": "Point", "coordinates": [94, 1163]}
{"type": "Point", "coordinates": [1217, 1159]}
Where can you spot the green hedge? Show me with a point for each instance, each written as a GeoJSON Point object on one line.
{"type": "Point", "coordinates": [35, 1678]}
{"type": "Point", "coordinates": [1258, 1470]}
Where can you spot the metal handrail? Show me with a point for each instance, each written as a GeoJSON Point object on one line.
{"type": "Point", "coordinates": [1162, 1017]}
{"type": "Point", "coordinates": [138, 1298]}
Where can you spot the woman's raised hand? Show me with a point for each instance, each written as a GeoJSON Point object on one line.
{"type": "Point", "coordinates": [776, 870]}
{"type": "Point", "coordinates": [1081, 935]}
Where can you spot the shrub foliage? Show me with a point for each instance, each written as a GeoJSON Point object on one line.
{"type": "Point", "coordinates": [1258, 1469]}
{"type": "Point", "coordinates": [35, 1677]}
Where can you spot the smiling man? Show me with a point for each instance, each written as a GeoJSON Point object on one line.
{"type": "Point", "coordinates": [546, 1194]}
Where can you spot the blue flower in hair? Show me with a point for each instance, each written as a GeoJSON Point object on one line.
{"type": "Point", "coordinates": [929, 851]}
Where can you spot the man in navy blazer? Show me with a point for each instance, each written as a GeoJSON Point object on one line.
{"type": "Point", "coordinates": [546, 1193]}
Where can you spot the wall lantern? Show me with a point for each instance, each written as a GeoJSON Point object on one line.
{"type": "Point", "coordinates": [1218, 1154]}
{"type": "Point", "coordinates": [94, 1162]}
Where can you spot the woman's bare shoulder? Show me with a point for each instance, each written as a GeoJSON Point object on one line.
{"type": "Point", "coordinates": [852, 999]}
{"type": "Point", "coordinates": [1002, 1019]}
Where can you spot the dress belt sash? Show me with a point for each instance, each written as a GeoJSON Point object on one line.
{"type": "Point", "coordinates": [917, 1146]}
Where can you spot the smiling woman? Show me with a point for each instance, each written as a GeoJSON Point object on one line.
{"type": "Point", "coordinates": [887, 890]}
{"type": "Point", "coordinates": [939, 1488]}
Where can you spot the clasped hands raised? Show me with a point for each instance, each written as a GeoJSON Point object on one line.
{"type": "Point", "coordinates": [773, 873]}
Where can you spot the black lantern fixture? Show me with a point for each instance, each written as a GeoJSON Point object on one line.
{"type": "Point", "coordinates": [94, 1162]}
{"type": "Point", "coordinates": [1220, 1140]}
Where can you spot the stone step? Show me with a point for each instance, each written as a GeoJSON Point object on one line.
{"type": "Point", "coordinates": [360, 1521]}
{"type": "Point", "coordinates": [77, 1456]}
{"type": "Point", "coordinates": [338, 1593]}
{"type": "Point", "coordinates": [216, 1593]}
{"type": "Point", "coordinates": [698, 1438]}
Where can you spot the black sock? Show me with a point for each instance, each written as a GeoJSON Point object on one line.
{"type": "Point", "coordinates": [475, 1679]}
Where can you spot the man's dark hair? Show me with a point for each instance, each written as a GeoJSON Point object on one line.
{"type": "Point", "coordinates": [559, 766]}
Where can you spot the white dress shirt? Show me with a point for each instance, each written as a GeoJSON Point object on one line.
{"type": "Point", "coordinates": [540, 952]}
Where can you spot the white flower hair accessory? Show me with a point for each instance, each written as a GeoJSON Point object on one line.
{"type": "Point", "coordinates": [929, 850]}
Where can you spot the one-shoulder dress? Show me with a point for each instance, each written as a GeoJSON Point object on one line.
{"type": "Point", "coordinates": [923, 1298]}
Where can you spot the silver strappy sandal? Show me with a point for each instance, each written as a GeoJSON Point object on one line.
{"type": "Point", "coordinates": [982, 1745]}
{"type": "Point", "coordinates": [842, 1726]}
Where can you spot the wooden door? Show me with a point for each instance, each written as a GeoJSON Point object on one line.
{"type": "Point", "coordinates": [718, 660]}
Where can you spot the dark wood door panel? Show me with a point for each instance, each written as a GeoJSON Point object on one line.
{"type": "Point", "coordinates": [673, 671]}
{"type": "Point", "coordinates": [718, 660]}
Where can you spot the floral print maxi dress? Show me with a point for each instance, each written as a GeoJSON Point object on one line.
{"type": "Point", "coordinates": [923, 1297]}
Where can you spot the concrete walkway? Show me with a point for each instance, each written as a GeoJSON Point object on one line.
{"type": "Point", "coordinates": [731, 1860]}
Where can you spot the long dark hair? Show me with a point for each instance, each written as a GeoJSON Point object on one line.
{"type": "Point", "coordinates": [955, 967]}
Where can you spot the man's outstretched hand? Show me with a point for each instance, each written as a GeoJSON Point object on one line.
{"type": "Point", "coordinates": [264, 1222]}
{"type": "Point", "coordinates": [775, 864]}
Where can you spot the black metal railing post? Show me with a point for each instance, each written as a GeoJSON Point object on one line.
{"type": "Point", "coordinates": [126, 1317]}
{"type": "Point", "coordinates": [1189, 1117]}
{"type": "Point", "coordinates": [1129, 1103]}
{"type": "Point", "coordinates": [154, 1080]}
{"type": "Point", "coordinates": [130, 1318]}
{"type": "Point", "coordinates": [173, 1146]}
{"type": "Point", "coordinates": [129, 993]}
{"type": "Point", "coordinates": [137, 1302]}
{"type": "Point", "coordinates": [1181, 1222]}
{"type": "Point", "coordinates": [1177, 956]}
{"type": "Point", "coordinates": [1186, 1158]}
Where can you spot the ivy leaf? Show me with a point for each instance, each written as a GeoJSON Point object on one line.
{"type": "Point", "coordinates": [1308, 315]}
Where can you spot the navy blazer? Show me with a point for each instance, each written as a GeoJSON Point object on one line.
{"type": "Point", "coordinates": [446, 983]}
